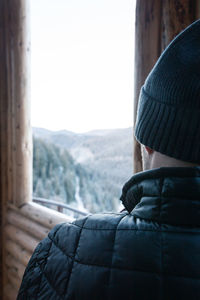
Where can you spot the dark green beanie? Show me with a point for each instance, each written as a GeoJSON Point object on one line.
{"type": "Point", "coordinates": [168, 117]}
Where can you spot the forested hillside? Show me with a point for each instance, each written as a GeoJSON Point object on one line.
{"type": "Point", "coordinates": [85, 171]}
{"type": "Point", "coordinates": [54, 172]}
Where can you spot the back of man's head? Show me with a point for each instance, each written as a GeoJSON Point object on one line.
{"type": "Point", "coordinates": [168, 118]}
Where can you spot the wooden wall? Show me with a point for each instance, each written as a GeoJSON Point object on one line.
{"type": "Point", "coordinates": [25, 228]}
{"type": "Point", "coordinates": [23, 223]}
{"type": "Point", "coordinates": [3, 140]}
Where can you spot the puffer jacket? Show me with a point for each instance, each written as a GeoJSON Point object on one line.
{"type": "Point", "coordinates": [151, 251]}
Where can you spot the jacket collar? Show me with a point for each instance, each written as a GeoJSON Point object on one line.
{"type": "Point", "coordinates": [164, 195]}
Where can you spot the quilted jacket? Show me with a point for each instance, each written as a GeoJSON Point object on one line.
{"type": "Point", "coordinates": [150, 251]}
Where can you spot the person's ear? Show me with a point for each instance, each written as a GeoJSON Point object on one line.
{"type": "Point", "coordinates": [149, 150]}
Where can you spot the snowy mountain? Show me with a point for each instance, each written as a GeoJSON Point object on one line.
{"type": "Point", "coordinates": [102, 162]}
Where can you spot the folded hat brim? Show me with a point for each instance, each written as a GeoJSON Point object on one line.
{"type": "Point", "coordinates": [168, 129]}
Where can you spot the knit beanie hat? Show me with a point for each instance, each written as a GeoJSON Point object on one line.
{"type": "Point", "coordinates": [168, 117]}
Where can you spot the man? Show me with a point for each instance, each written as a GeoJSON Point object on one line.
{"type": "Point", "coordinates": [152, 250]}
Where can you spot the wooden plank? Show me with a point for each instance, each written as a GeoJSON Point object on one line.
{"type": "Point", "coordinates": [3, 142]}
{"type": "Point", "coordinates": [14, 267]}
{"type": "Point", "coordinates": [21, 238]}
{"type": "Point", "coordinates": [10, 292]}
{"type": "Point", "coordinates": [18, 252]}
{"type": "Point", "coordinates": [19, 147]}
{"type": "Point", "coordinates": [197, 15]}
{"type": "Point", "coordinates": [15, 146]}
{"type": "Point", "coordinates": [147, 51]}
{"type": "Point", "coordinates": [15, 134]}
{"type": "Point", "coordinates": [176, 15]}
{"type": "Point", "coordinates": [43, 215]}
{"type": "Point", "coordinates": [14, 282]}
{"type": "Point", "coordinates": [32, 228]}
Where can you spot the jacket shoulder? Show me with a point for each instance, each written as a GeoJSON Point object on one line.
{"type": "Point", "coordinates": [52, 261]}
{"type": "Point", "coordinates": [100, 221]}
{"type": "Point", "coordinates": [47, 261]}
{"type": "Point", "coordinates": [88, 241]}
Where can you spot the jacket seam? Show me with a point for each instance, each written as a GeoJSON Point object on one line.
{"type": "Point", "coordinates": [110, 271]}
{"type": "Point", "coordinates": [139, 177]}
{"type": "Point", "coordinates": [23, 289]}
{"type": "Point", "coordinates": [122, 269]}
{"type": "Point", "coordinates": [117, 267]}
{"type": "Point", "coordinates": [49, 282]}
{"type": "Point", "coordinates": [161, 240]}
{"type": "Point", "coordinates": [42, 273]}
{"type": "Point", "coordinates": [42, 270]}
{"type": "Point", "coordinates": [73, 258]}
{"type": "Point", "coordinates": [136, 229]}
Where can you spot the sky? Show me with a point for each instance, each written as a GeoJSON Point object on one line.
{"type": "Point", "coordinates": [82, 64]}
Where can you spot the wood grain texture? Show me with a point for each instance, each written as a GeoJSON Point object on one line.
{"type": "Point", "coordinates": [32, 228]}
{"type": "Point", "coordinates": [3, 144]}
{"type": "Point", "coordinates": [43, 215]}
{"type": "Point", "coordinates": [21, 238]}
{"type": "Point", "coordinates": [10, 292]}
{"type": "Point", "coordinates": [15, 133]}
{"type": "Point", "coordinates": [15, 268]}
{"type": "Point", "coordinates": [14, 282]}
{"type": "Point", "coordinates": [147, 51]}
{"type": "Point", "coordinates": [25, 228]}
{"type": "Point", "coordinates": [197, 12]}
{"type": "Point", "coordinates": [18, 252]}
{"type": "Point", "coordinates": [176, 15]}
{"type": "Point", "coordinates": [17, 117]}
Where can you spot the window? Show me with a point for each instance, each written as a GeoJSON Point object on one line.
{"type": "Point", "coordinates": [82, 95]}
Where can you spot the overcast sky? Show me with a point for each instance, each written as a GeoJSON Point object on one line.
{"type": "Point", "coordinates": [82, 64]}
